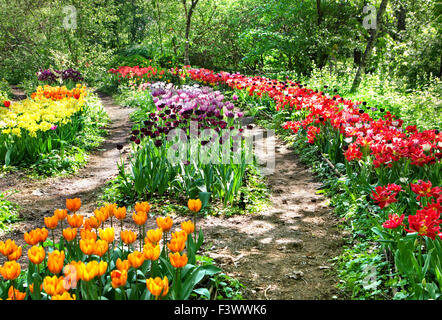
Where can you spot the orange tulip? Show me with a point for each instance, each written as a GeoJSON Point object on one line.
{"type": "Point", "coordinates": [177, 260]}
{"type": "Point", "coordinates": [102, 267]}
{"type": "Point", "coordinates": [53, 285]}
{"type": "Point", "coordinates": [8, 247]}
{"type": "Point", "coordinates": [36, 254]}
{"type": "Point", "coordinates": [43, 234]}
{"type": "Point", "coordinates": [119, 278]}
{"type": "Point", "coordinates": [92, 223]}
{"type": "Point", "coordinates": [31, 238]}
{"type": "Point", "coordinates": [107, 234]}
{"type": "Point", "coordinates": [142, 207]}
{"type": "Point", "coordinates": [73, 205]}
{"type": "Point", "coordinates": [31, 287]}
{"type": "Point", "coordinates": [35, 236]}
{"type": "Point", "coordinates": [10, 270]}
{"type": "Point", "coordinates": [64, 296]}
{"type": "Point", "coordinates": [188, 226]}
{"type": "Point", "coordinates": [55, 261]}
{"type": "Point", "coordinates": [151, 252]}
{"type": "Point", "coordinates": [110, 209]}
{"type": "Point", "coordinates": [87, 234]}
{"type": "Point", "coordinates": [158, 286]}
{"type": "Point", "coordinates": [75, 220]}
{"type": "Point", "coordinates": [15, 255]}
{"type": "Point", "coordinates": [69, 233]}
{"type": "Point", "coordinates": [194, 205]}
{"type": "Point", "coordinates": [51, 222]}
{"type": "Point", "coordinates": [120, 213]}
{"type": "Point", "coordinates": [128, 236]}
{"type": "Point", "coordinates": [101, 214]}
{"type": "Point", "coordinates": [135, 259]}
{"type": "Point", "coordinates": [122, 264]}
{"type": "Point", "coordinates": [178, 241]}
{"type": "Point", "coordinates": [101, 247]}
{"type": "Point", "coordinates": [87, 246]}
{"type": "Point", "coordinates": [88, 271]}
{"type": "Point", "coordinates": [140, 217]}
{"type": "Point", "coordinates": [14, 294]}
{"type": "Point", "coordinates": [61, 214]}
{"type": "Point", "coordinates": [153, 236]}
{"type": "Point", "coordinates": [165, 223]}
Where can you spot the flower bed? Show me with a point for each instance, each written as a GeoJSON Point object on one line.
{"type": "Point", "coordinates": [36, 126]}
{"type": "Point", "coordinates": [87, 263]}
{"type": "Point", "coordinates": [187, 140]}
{"type": "Point", "coordinates": [381, 156]}
{"type": "Point", "coordinates": [139, 75]}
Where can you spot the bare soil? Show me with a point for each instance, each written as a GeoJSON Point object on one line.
{"type": "Point", "coordinates": [281, 253]}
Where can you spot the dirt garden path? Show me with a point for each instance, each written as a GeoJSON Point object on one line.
{"type": "Point", "coordinates": [282, 253]}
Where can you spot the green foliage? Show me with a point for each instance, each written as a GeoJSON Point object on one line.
{"type": "Point", "coordinates": [420, 106]}
{"type": "Point", "coordinates": [5, 91]}
{"type": "Point", "coordinates": [219, 286]}
{"type": "Point", "coordinates": [130, 61]}
{"type": "Point", "coordinates": [8, 211]}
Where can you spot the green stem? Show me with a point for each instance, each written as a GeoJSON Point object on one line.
{"type": "Point", "coordinates": [165, 244]}
{"type": "Point", "coordinates": [13, 289]}
{"type": "Point", "coordinates": [140, 238]}
{"type": "Point", "coordinates": [53, 238]}
{"type": "Point", "coordinates": [144, 231]}
{"type": "Point", "coordinates": [124, 293]}
{"type": "Point", "coordinates": [177, 283]}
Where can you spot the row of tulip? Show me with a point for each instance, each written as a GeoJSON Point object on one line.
{"type": "Point", "coordinates": [86, 261]}
{"type": "Point", "coordinates": [137, 75]}
{"type": "Point", "coordinates": [382, 157]}
{"type": "Point", "coordinates": [68, 77]}
{"type": "Point", "coordinates": [46, 121]}
{"type": "Point", "coordinates": [200, 117]}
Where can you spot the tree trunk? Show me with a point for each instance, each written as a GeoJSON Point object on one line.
{"type": "Point", "coordinates": [159, 25]}
{"type": "Point", "coordinates": [188, 14]}
{"type": "Point", "coordinates": [357, 57]}
{"type": "Point", "coordinates": [401, 15]}
{"type": "Point", "coordinates": [290, 66]}
{"type": "Point", "coordinates": [370, 45]}
{"type": "Point", "coordinates": [322, 56]}
{"type": "Point", "coordinates": [440, 68]}
{"type": "Point", "coordinates": [318, 9]}
{"type": "Point", "coordinates": [133, 30]}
